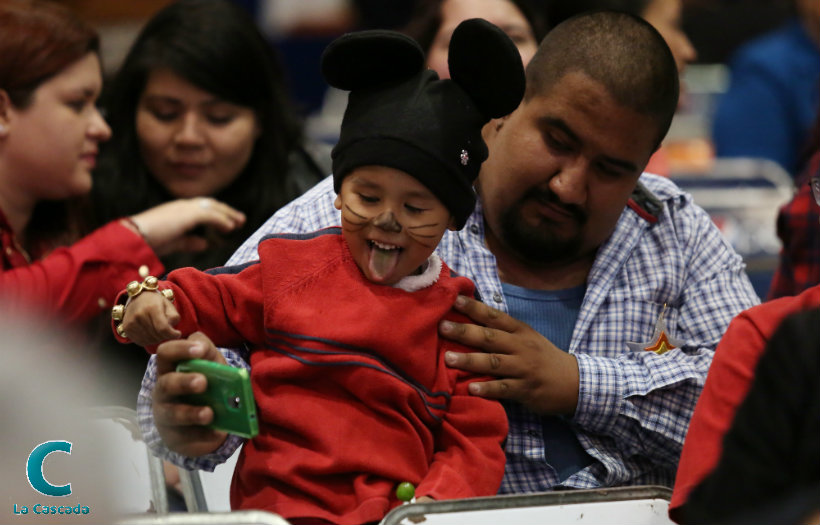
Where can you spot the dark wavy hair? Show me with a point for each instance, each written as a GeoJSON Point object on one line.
{"type": "Point", "coordinates": [216, 46]}
{"type": "Point", "coordinates": [425, 21]}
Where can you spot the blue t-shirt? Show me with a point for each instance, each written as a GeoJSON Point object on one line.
{"type": "Point", "coordinates": [552, 313]}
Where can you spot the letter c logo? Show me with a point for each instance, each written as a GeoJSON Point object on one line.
{"type": "Point", "coordinates": [34, 468]}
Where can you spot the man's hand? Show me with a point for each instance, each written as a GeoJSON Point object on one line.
{"type": "Point", "coordinates": [181, 426]}
{"type": "Point", "coordinates": [530, 369]}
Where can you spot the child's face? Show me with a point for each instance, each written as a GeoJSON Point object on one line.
{"type": "Point", "coordinates": [391, 222]}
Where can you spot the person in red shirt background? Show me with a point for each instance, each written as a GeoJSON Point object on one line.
{"type": "Point", "coordinates": [50, 131]}
{"type": "Point", "coordinates": [733, 369]}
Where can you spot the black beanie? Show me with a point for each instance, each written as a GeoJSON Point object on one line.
{"type": "Point", "coordinates": [401, 115]}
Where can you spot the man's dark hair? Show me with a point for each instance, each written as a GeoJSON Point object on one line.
{"type": "Point", "coordinates": [621, 51]}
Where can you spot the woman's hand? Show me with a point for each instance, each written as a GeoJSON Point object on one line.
{"type": "Point", "coordinates": [167, 227]}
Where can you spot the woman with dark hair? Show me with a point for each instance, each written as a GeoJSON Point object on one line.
{"type": "Point", "coordinates": [50, 131]}
{"type": "Point", "coordinates": [433, 21]}
{"type": "Point", "coordinates": [431, 24]}
{"type": "Point", "coordinates": [199, 108]}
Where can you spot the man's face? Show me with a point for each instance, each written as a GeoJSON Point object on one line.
{"type": "Point", "coordinates": [561, 169]}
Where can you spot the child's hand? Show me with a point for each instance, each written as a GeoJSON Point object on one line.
{"type": "Point", "coordinates": [150, 318]}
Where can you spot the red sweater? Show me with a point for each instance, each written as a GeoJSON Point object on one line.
{"type": "Point", "coordinates": [730, 376]}
{"type": "Point", "coordinates": [350, 382]}
{"type": "Point", "coordinates": [77, 282]}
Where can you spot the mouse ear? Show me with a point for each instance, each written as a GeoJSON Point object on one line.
{"type": "Point", "coordinates": [368, 58]}
{"type": "Point", "coordinates": [486, 64]}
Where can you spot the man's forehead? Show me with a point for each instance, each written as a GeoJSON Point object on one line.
{"type": "Point", "coordinates": [587, 116]}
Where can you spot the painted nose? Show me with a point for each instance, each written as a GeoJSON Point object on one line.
{"type": "Point", "coordinates": [387, 222]}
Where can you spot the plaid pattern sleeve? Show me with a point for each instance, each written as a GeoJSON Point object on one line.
{"type": "Point", "coordinates": [634, 406]}
{"type": "Point", "coordinates": [798, 226]}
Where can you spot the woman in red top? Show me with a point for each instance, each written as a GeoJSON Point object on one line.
{"type": "Point", "coordinates": [50, 131]}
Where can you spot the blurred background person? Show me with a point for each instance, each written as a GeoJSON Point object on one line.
{"type": "Point", "coordinates": [431, 24]}
{"type": "Point", "coordinates": [433, 21]}
{"type": "Point", "coordinates": [199, 108]}
{"type": "Point", "coordinates": [773, 97]}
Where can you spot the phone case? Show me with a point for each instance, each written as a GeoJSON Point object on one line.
{"type": "Point", "coordinates": [229, 394]}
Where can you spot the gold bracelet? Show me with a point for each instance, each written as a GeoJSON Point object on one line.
{"type": "Point", "coordinates": [134, 288]}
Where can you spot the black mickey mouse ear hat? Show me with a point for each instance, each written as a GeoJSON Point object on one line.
{"type": "Point", "coordinates": [401, 115]}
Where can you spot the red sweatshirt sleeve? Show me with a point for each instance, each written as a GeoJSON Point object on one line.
{"type": "Point", "coordinates": [77, 282]}
{"type": "Point", "coordinates": [228, 308]}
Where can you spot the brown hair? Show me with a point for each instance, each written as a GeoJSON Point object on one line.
{"type": "Point", "coordinates": [38, 39]}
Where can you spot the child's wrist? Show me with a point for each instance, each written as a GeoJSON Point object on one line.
{"type": "Point", "coordinates": [134, 289]}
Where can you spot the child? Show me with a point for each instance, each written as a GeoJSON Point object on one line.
{"type": "Point", "coordinates": [347, 366]}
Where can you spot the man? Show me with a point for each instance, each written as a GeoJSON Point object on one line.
{"type": "Point", "coordinates": [585, 259]}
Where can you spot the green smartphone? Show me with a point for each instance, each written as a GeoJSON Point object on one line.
{"type": "Point", "coordinates": [229, 394]}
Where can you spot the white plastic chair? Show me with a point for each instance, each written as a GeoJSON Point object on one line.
{"type": "Point", "coordinates": [644, 505]}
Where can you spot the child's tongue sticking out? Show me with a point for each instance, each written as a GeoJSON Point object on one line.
{"type": "Point", "coordinates": [383, 260]}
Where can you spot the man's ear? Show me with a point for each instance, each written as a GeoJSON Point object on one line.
{"type": "Point", "coordinates": [338, 202]}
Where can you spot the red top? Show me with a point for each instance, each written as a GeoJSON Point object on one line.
{"type": "Point", "coordinates": [76, 282]}
{"type": "Point", "coordinates": [349, 377]}
{"type": "Point", "coordinates": [727, 383]}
